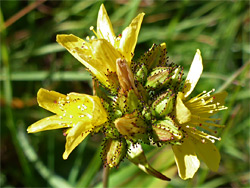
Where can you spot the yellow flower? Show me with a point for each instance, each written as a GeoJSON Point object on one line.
{"type": "Point", "coordinates": [79, 114]}
{"type": "Point", "coordinates": [100, 55]}
{"type": "Point", "coordinates": [194, 113]}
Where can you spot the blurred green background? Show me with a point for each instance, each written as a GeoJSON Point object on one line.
{"type": "Point", "coordinates": [31, 59]}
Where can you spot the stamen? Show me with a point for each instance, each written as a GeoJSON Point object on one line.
{"type": "Point", "coordinates": [92, 29]}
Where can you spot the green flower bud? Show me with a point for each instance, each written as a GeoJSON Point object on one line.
{"type": "Point", "coordinates": [112, 79]}
{"type": "Point", "coordinates": [132, 127]}
{"type": "Point", "coordinates": [165, 77]}
{"type": "Point", "coordinates": [159, 77]}
{"type": "Point", "coordinates": [141, 74]}
{"type": "Point", "coordinates": [176, 79]}
{"type": "Point", "coordinates": [166, 131]}
{"type": "Point", "coordinates": [163, 105]}
{"type": "Point", "coordinates": [154, 57]}
{"type": "Point", "coordinates": [146, 113]}
{"type": "Point", "coordinates": [157, 56]}
{"type": "Point", "coordinates": [128, 103]}
{"type": "Point", "coordinates": [113, 151]}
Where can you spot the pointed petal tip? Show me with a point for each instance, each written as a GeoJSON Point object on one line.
{"type": "Point", "coordinates": [102, 10]}
{"type": "Point", "coordinates": [142, 14]}
{"type": "Point", "coordinates": [65, 155]}
{"type": "Point", "coordinates": [163, 44]}
{"type": "Point", "coordinates": [29, 130]}
{"type": "Point", "coordinates": [102, 6]}
{"type": "Point", "coordinates": [59, 37]}
{"type": "Point", "coordinates": [157, 174]}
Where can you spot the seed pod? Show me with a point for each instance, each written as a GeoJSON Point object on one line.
{"type": "Point", "coordinates": [166, 131]}
{"type": "Point", "coordinates": [163, 105]}
{"type": "Point", "coordinates": [132, 127]}
{"type": "Point", "coordinates": [114, 151]}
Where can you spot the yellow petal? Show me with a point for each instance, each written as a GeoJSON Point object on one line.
{"type": "Point", "coordinates": [129, 38]}
{"type": "Point", "coordinates": [98, 56]}
{"type": "Point", "coordinates": [183, 115]}
{"type": "Point", "coordinates": [186, 159]}
{"type": "Point", "coordinates": [105, 53]}
{"type": "Point", "coordinates": [49, 123]}
{"type": "Point", "coordinates": [48, 100]}
{"type": "Point", "coordinates": [76, 135]}
{"type": "Point", "coordinates": [104, 26]}
{"type": "Point", "coordinates": [208, 153]}
{"type": "Point", "coordinates": [94, 109]}
{"type": "Point", "coordinates": [194, 74]}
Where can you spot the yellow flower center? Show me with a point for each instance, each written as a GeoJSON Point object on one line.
{"type": "Point", "coordinates": [196, 112]}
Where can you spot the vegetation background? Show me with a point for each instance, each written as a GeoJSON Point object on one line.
{"type": "Point", "coordinates": [31, 59]}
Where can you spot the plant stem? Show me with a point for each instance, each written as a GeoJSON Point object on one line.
{"type": "Point", "coordinates": [105, 176]}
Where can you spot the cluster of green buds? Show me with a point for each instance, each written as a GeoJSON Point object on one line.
{"type": "Point", "coordinates": [142, 109]}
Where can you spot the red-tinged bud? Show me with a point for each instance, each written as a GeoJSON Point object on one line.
{"type": "Point", "coordinates": [166, 131]}
{"type": "Point", "coordinates": [132, 127]}
{"type": "Point", "coordinates": [125, 76]}
{"type": "Point", "coordinates": [113, 151]}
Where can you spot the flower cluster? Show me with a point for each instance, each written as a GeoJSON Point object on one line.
{"type": "Point", "coordinates": [144, 101]}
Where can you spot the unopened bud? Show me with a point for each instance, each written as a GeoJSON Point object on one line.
{"type": "Point", "coordinates": [163, 105]}
{"type": "Point", "coordinates": [176, 78]}
{"type": "Point", "coordinates": [141, 74]}
{"type": "Point", "coordinates": [132, 127]}
{"type": "Point", "coordinates": [114, 151]}
{"type": "Point", "coordinates": [128, 103]}
{"type": "Point", "coordinates": [156, 56]}
{"type": "Point", "coordinates": [166, 131]}
{"type": "Point", "coordinates": [125, 75]}
{"type": "Point", "coordinates": [165, 77]}
{"type": "Point", "coordinates": [159, 77]}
